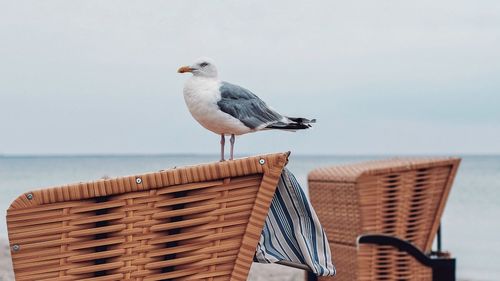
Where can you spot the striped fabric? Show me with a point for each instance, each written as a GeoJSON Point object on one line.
{"type": "Point", "coordinates": [292, 231]}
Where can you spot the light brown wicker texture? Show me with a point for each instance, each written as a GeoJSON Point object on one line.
{"type": "Point", "coordinates": [404, 198]}
{"type": "Point", "coordinates": [193, 223]}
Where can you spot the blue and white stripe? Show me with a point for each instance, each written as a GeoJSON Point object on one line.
{"type": "Point", "coordinates": [292, 231]}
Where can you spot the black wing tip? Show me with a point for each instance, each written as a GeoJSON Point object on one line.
{"type": "Point", "coordinates": [291, 127]}
{"type": "Point", "coordinates": [301, 120]}
{"type": "Point", "coordinates": [295, 124]}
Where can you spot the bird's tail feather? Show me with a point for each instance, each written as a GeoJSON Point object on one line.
{"type": "Point", "coordinates": [293, 125]}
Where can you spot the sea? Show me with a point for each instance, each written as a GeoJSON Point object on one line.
{"type": "Point", "coordinates": [470, 224]}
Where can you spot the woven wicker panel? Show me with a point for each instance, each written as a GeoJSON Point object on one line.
{"type": "Point", "coordinates": [387, 263]}
{"type": "Point", "coordinates": [376, 263]}
{"type": "Point", "coordinates": [337, 207]}
{"type": "Point", "coordinates": [193, 223]}
{"type": "Point", "coordinates": [50, 236]}
{"type": "Point", "coordinates": [394, 197]}
{"type": "Point", "coordinates": [403, 204]}
{"type": "Point", "coordinates": [403, 198]}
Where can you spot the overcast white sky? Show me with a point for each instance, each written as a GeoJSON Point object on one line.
{"type": "Point", "coordinates": [381, 77]}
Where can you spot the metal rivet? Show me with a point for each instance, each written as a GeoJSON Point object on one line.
{"type": "Point", "coordinates": [262, 161]}
{"type": "Point", "coordinates": [29, 196]}
{"type": "Point", "coordinates": [16, 248]}
{"type": "Point", "coordinates": [138, 180]}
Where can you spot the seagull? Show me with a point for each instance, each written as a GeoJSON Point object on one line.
{"type": "Point", "coordinates": [228, 109]}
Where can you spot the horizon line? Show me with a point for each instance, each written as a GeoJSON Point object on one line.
{"type": "Point", "coordinates": [186, 154]}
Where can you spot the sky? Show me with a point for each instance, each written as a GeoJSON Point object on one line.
{"type": "Point", "coordinates": [381, 77]}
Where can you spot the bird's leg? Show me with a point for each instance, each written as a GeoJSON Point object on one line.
{"type": "Point", "coordinates": [222, 143]}
{"type": "Point", "coordinates": [231, 140]}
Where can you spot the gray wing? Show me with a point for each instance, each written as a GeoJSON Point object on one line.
{"type": "Point", "coordinates": [246, 107]}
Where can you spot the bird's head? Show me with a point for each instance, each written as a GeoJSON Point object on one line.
{"type": "Point", "coordinates": [204, 67]}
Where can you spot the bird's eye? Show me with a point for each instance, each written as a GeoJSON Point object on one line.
{"type": "Point", "coordinates": [203, 64]}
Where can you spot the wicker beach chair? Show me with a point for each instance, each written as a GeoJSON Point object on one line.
{"type": "Point", "coordinates": [381, 217]}
{"type": "Point", "coordinates": [192, 223]}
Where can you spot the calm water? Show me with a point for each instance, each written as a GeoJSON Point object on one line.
{"type": "Point", "coordinates": [471, 222]}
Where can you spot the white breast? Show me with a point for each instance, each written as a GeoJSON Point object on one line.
{"type": "Point", "coordinates": [201, 95]}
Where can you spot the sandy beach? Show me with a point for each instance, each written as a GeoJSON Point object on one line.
{"type": "Point", "coordinates": [259, 272]}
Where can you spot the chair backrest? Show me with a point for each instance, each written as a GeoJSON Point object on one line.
{"type": "Point", "coordinates": [190, 223]}
{"type": "Point", "coordinates": [400, 197]}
